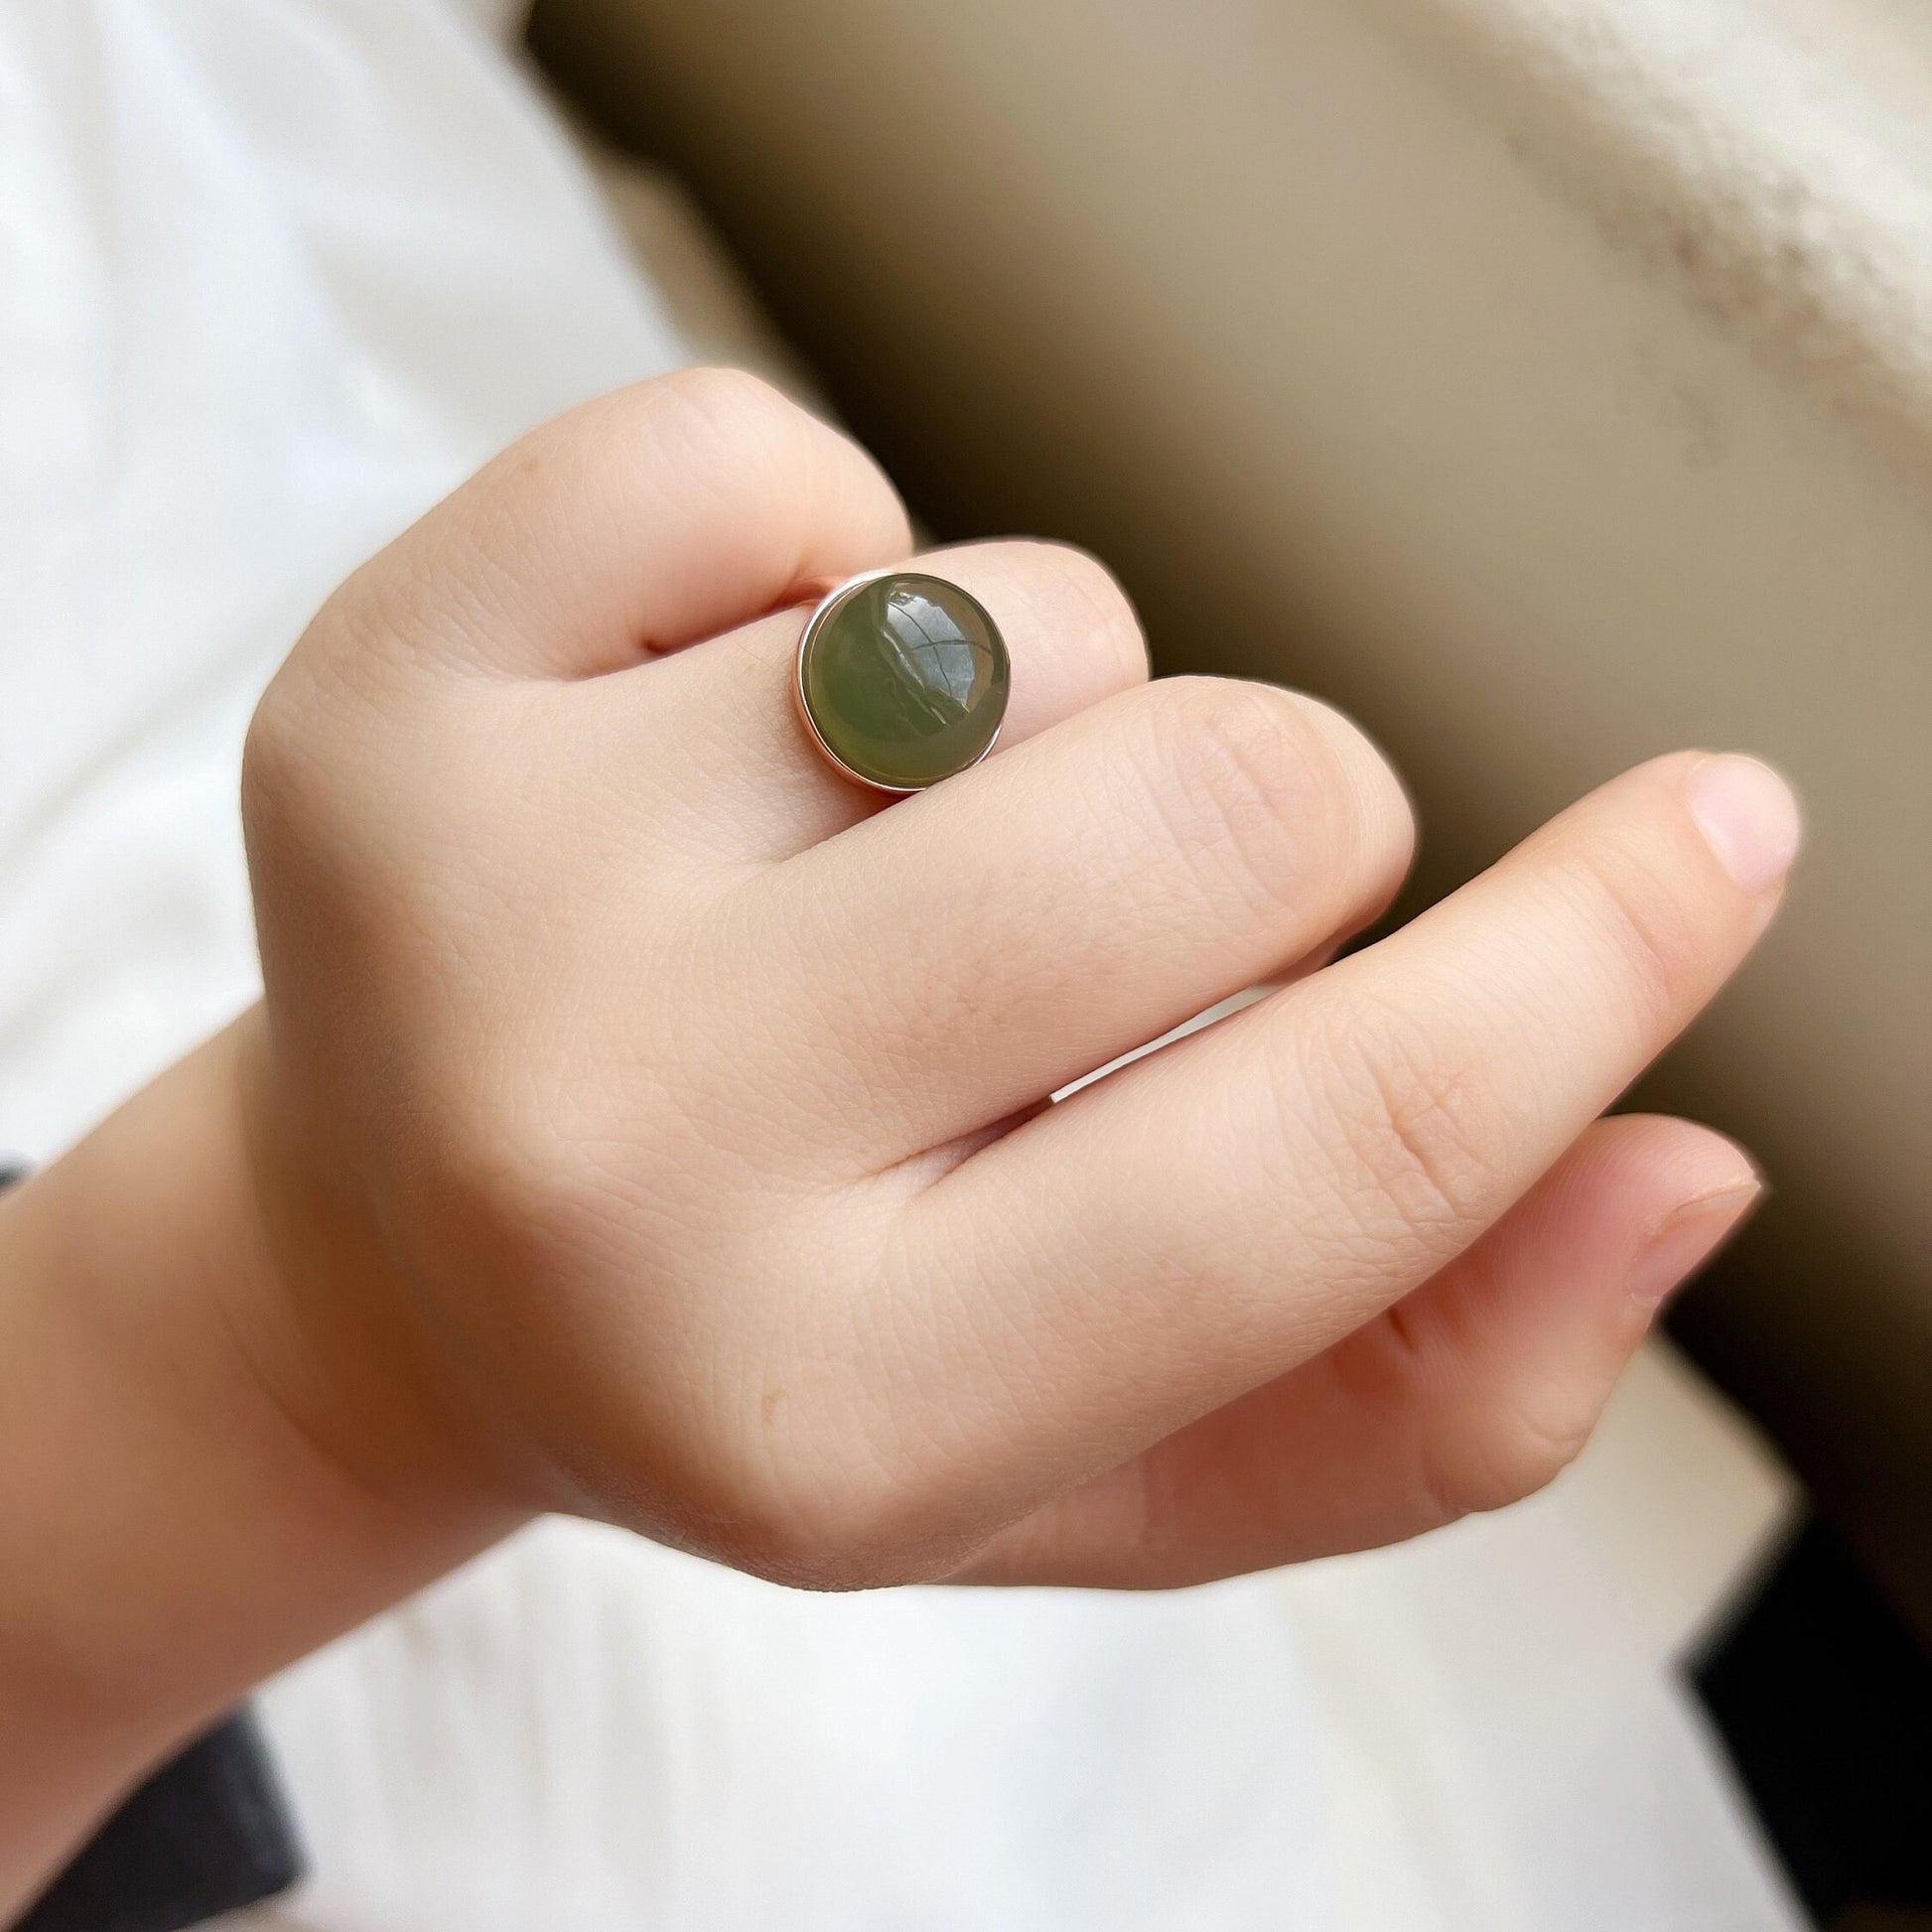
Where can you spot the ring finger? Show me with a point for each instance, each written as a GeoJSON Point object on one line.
{"type": "Point", "coordinates": [736, 778]}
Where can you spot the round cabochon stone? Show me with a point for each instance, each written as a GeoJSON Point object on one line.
{"type": "Point", "coordinates": [906, 680]}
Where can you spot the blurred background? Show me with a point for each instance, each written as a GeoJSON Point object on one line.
{"type": "Point", "coordinates": [1548, 383]}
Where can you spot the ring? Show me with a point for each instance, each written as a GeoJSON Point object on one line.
{"type": "Point", "coordinates": [903, 680]}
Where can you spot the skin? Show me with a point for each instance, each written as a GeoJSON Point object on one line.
{"type": "Point", "coordinates": [642, 1122]}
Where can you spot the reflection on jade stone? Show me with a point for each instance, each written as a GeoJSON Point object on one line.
{"type": "Point", "coordinates": [907, 680]}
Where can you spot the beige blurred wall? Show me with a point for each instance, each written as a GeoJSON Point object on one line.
{"type": "Point", "coordinates": [1550, 384]}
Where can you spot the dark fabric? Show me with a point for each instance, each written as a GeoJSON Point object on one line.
{"type": "Point", "coordinates": [208, 1833]}
{"type": "Point", "coordinates": [1824, 1699]}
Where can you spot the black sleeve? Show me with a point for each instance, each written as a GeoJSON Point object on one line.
{"type": "Point", "coordinates": [208, 1834]}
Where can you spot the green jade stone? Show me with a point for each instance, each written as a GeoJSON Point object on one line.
{"type": "Point", "coordinates": [906, 680]}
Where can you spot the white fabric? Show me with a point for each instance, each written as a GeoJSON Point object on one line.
{"type": "Point", "coordinates": [586, 1733]}
{"type": "Point", "coordinates": [273, 275]}
{"type": "Point", "coordinates": [1506, 1746]}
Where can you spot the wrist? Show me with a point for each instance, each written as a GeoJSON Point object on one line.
{"type": "Point", "coordinates": [180, 1514]}
{"type": "Point", "coordinates": [331, 1327]}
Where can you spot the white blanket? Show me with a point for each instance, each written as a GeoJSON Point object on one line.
{"type": "Point", "coordinates": [273, 275]}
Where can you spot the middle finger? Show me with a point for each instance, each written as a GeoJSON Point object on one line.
{"type": "Point", "coordinates": [956, 959]}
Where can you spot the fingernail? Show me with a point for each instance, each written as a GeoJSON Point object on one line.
{"type": "Point", "coordinates": [1688, 1240]}
{"type": "Point", "coordinates": [1748, 816]}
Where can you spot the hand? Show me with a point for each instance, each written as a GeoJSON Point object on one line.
{"type": "Point", "coordinates": [651, 1124]}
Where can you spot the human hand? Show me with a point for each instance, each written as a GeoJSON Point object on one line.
{"type": "Point", "coordinates": [652, 1123]}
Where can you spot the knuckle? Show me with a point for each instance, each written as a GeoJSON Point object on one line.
{"type": "Point", "coordinates": [696, 420]}
{"type": "Point", "coordinates": [315, 705]}
{"type": "Point", "coordinates": [726, 400]}
{"type": "Point", "coordinates": [1650, 934]}
{"type": "Point", "coordinates": [1373, 817]}
{"type": "Point", "coordinates": [1084, 599]}
{"type": "Point", "coordinates": [1420, 1134]}
{"type": "Point", "coordinates": [271, 753]}
{"type": "Point", "coordinates": [842, 1522]}
{"type": "Point", "coordinates": [844, 1476]}
{"type": "Point", "coordinates": [750, 445]}
{"type": "Point", "coordinates": [1242, 786]}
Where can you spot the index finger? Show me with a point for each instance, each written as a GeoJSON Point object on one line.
{"type": "Point", "coordinates": [644, 521]}
{"type": "Point", "coordinates": [1210, 1217]}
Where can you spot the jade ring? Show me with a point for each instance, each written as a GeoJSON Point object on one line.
{"type": "Point", "coordinates": [903, 680]}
